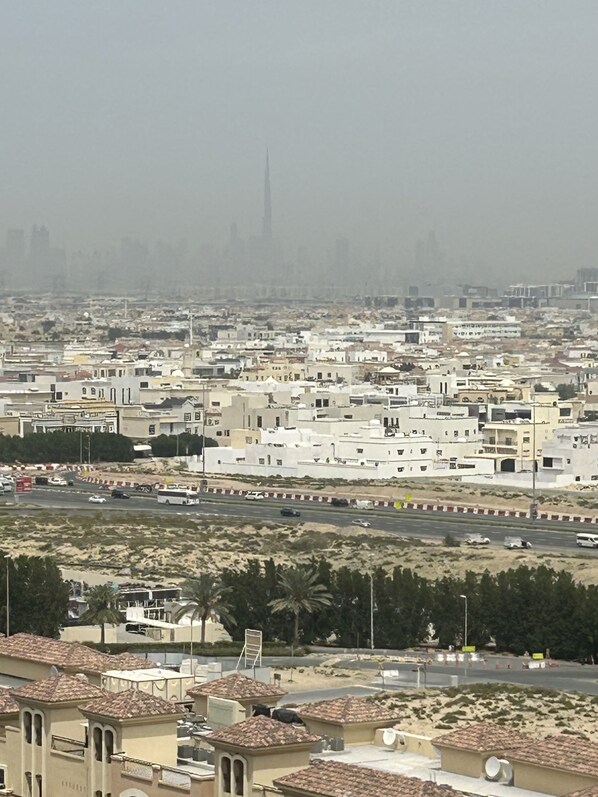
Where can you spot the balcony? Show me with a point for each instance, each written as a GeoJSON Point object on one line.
{"type": "Point", "coordinates": [61, 744]}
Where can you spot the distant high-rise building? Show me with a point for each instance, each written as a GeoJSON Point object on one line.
{"type": "Point", "coordinates": [15, 249]}
{"type": "Point", "coordinates": [39, 253]}
{"type": "Point", "coordinates": [267, 220]}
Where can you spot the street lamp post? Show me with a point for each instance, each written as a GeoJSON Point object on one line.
{"type": "Point", "coordinates": [372, 608]}
{"type": "Point", "coordinates": [465, 622]}
{"type": "Point", "coordinates": [7, 557]}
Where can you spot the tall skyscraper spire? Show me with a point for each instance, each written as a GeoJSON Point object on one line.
{"type": "Point", "coordinates": [267, 220]}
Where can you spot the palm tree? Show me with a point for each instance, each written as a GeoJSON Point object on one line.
{"type": "Point", "coordinates": [206, 597]}
{"type": "Point", "coordinates": [301, 593]}
{"type": "Point", "coordinates": [102, 608]}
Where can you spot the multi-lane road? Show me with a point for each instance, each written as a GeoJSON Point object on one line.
{"type": "Point", "coordinates": [553, 536]}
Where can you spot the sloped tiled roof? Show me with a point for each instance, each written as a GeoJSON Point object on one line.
{"type": "Point", "coordinates": [564, 752]}
{"type": "Point", "coordinates": [236, 687]}
{"type": "Point", "coordinates": [262, 732]}
{"type": "Point", "coordinates": [483, 737]}
{"type": "Point", "coordinates": [336, 779]}
{"type": "Point", "coordinates": [129, 704]}
{"type": "Point", "coordinates": [348, 709]}
{"type": "Point", "coordinates": [57, 689]}
{"type": "Point", "coordinates": [8, 705]}
{"type": "Point", "coordinates": [591, 792]}
{"type": "Point", "coordinates": [67, 655]}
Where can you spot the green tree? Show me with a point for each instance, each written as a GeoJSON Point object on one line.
{"type": "Point", "coordinates": [102, 609]}
{"type": "Point", "coordinates": [566, 391]}
{"type": "Point", "coordinates": [207, 597]}
{"type": "Point", "coordinates": [38, 598]}
{"type": "Point", "coordinates": [301, 592]}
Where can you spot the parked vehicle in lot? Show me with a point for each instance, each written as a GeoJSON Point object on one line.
{"type": "Point", "coordinates": [476, 539]}
{"type": "Point", "coordinates": [587, 540]}
{"type": "Point", "coordinates": [516, 543]}
{"type": "Point", "coordinates": [254, 496]}
{"type": "Point", "coordinates": [144, 488]}
{"type": "Point", "coordinates": [40, 480]}
{"type": "Point", "coordinates": [363, 523]}
{"type": "Point", "coordinates": [97, 499]}
{"type": "Point", "coordinates": [363, 505]}
{"type": "Point", "coordinates": [119, 494]}
{"type": "Point", "coordinates": [339, 502]}
{"type": "Point", "coordinates": [181, 496]}
{"type": "Point", "coordinates": [288, 511]}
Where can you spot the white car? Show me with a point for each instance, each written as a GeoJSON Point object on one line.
{"type": "Point", "coordinates": [57, 481]}
{"type": "Point", "coordinates": [477, 539]}
{"type": "Point", "coordinates": [96, 499]}
{"type": "Point", "coordinates": [253, 496]}
{"type": "Point", "coordinates": [363, 523]}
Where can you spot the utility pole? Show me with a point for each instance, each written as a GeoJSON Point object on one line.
{"type": "Point", "coordinates": [7, 557]}
{"type": "Point", "coordinates": [372, 607]}
{"type": "Point", "coordinates": [203, 433]}
{"type": "Point", "coordinates": [532, 509]}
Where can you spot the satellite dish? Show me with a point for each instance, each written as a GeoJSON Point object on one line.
{"type": "Point", "coordinates": [389, 736]}
{"type": "Point", "coordinates": [492, 768]}
{"type": "Point", "coordinates": [54, 672]}
{"type": "Point", "coordinates": [506, 771]}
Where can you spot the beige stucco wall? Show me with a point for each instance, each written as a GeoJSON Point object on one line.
{"type": "Point", "coordinates": [10, 754]}
{"type": "Point", "coordinates": [87, 633]}
{"type": "Point", "coordinates": [29, 670]}
{"type": "Point", "coordinates": [155, 741]}
{"type": "Point", "coordinates": [263, 769]}
{"type": "Point", "coordinates": [66, 774]}
{"type": "Point", "coordinates": [200, 704]}
{"type": "Point", "coordinates": [353, 733]}
{"type": "Point", "coordinates": [549, 781]}
{"type": "Point", "coordinates": [463, 762]}
{"type": "Point", "coordinates": [127, 785]}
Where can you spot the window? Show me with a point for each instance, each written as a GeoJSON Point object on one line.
{"type": "Point", "coordinates": [37, 729]}
{"type": "Point", "coordinates": [277, 421]}
{"type": "Point", "coordinates": [456, 433]}
{"type": "Point", "coordinates": [467, 433]}
{"type": "Point", "coordinates": [508, 441]}
{"type": "Point", "coordinates": [360, 450]}
{"type": "Point", "coordinates": [27, 726]}
{"type": "Point", "coordinates": [187, 416]}
{"type": "Point", "coordinates": [279, 462]}
{"type": "Point", "coordinates": [84, 390]}
{"type": "Point", "coordinates": [492, 441]}
{"type": "Point", "coordinates": [239, 777]}
{"type": "Point", "coordinates": [109, 744]}
{"type": "Point", "coordinates": [225, 774]}
{"type": "Point", "coordinates": [259, 421]}
{"type": "Point", "coordinates": [144, 384]}
{"type": "Point", "coordinates": [29, 782]}
{"type": "Point", "coordinates": [151, 428]}
{"type": "Point", "coordinates": [262, 461]}
{"type": "Point", "coordinates": [547, 462]}
{"type": "Point", "coordinates": [93, 391]}
{"type": "Point", "coordinates": [98, 744]}
{"type": "Point", "coordinates": [38, 780]}
{"type": "Point", "coordinates": [400, 470]}
{"type": "Point", "coordinates": [423, 450]}
{"type": "Point", "coordinates": [400, 451]}
{"type": "Point", "coordinates": [198, 416]}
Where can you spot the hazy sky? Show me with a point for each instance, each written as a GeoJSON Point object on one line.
{"type": "Point", "coordinates": [383, 120]}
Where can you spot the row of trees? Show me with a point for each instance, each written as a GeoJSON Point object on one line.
{"type": "Point", "coordinates": [38, 595]}
{"type": "Point", "coordinates": [184, 445]}
{"type": "Point", "coordinates": [533, 609]}
{"type": "Point", "coordinates": [66, 447]}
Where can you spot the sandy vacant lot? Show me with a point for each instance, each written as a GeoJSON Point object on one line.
{"type": "Point", "coordinates": [157, 547]}
{"type": "Point", "coordinates": [536, 711]}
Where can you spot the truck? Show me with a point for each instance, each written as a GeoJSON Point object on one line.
{"type": "Point", "coordinates": [359, 504]}
{"type": "Point", "coordinates": [516, 543]}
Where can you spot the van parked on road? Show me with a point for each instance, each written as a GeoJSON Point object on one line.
{"type": "Point", "coordinates": [587, 540]}
{"type": "Point", "coordinates": [363, 505]}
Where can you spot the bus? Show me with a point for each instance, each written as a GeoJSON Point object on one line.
{"type": "Point", "coordinates": [587, 540]}
{"type": "Point", "coordinates": [178, 495]}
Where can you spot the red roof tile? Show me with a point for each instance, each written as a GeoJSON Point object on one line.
{"type": "Point", "coordinates": [564, 752]}
{"type": "Point", "coordinates": [261, 732]}
{"type": "Point", "coordinates": [346, 710]}
{"type": "Point", "coordinates": [129, 704]}
{"type": "Point", "coordinates": [236, 687]}
{"type": "Point", "coordinates": [336, 779]}
{"type": "Point", "coordinates": [483, 737]}
{"type": "Point", "coordinates": [57, 689]}
{"type": "Point", "coordinates": [8, 705]}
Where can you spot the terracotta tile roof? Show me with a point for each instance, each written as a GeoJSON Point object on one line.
{"type": "Point", "coordinates": [336, 779]}
{"type": "Point", "coordinates": [483, 737]}
{"type": "Point", "coordinates": [261, 732]}
{"type": "Point", "coordinates": [57, 689]}
{"type": "Point", "coordinates": [236, 687]}
{"type": "Point", "coordinates": [8, 705]}
{"type": "Point", "coordinates": [591, 792]}
{"type": "Point", "coordinates": [129, 704]}
{"type": "Point", "coordinates": [67, 655]}
{"type": "Point", "coordinates": [565, 752]}
{"type": "Point", "coordinates": [348, 709]}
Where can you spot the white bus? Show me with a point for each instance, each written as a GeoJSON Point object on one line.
{"type": "Point", "coordinates": [178, 495]}
{"type": "Point", "coordinates": [587, 540]}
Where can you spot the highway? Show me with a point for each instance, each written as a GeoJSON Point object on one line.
{"type": "Point", "coordinates": [544, 535]}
